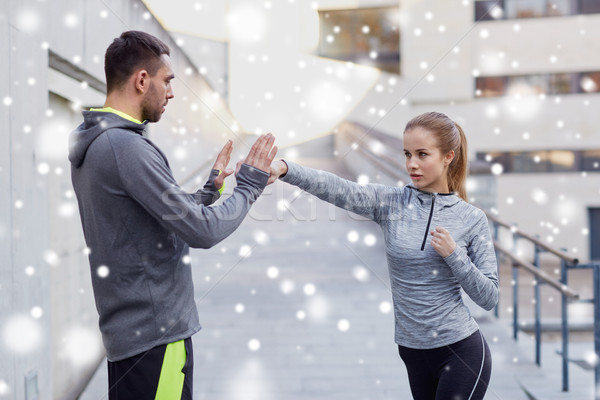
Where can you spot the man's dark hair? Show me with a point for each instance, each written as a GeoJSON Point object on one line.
{"type": "Point", "coordinates": [130, 51]}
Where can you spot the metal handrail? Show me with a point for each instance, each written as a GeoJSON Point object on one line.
{"type": "Point", "coordinates": [539, 273]}
{"type": "Point", "coordinates": [560, 254]}
{"type": "Point", "coordinates": [381, 160]}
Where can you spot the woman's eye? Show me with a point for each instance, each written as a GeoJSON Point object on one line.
{"type": "Point", "coordinates": [422, 154]}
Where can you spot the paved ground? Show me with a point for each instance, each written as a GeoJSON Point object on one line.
{"type": "Point", "coordinates": [296, 305]}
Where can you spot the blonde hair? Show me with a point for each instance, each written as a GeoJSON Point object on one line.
{"type": "Point", "coordinates": [450, 137]}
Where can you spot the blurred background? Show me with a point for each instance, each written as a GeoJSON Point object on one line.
{"type": "Point", "coordinates": [329, 78]}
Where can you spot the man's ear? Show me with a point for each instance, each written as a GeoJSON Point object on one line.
{"type": "Point", "coordinates": [449, 157]}
{"type": "Point", "coordinates": [141, 81]}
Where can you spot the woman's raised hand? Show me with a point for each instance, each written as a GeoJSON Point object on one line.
{"type": "Point", "coordinates": [278, 168]}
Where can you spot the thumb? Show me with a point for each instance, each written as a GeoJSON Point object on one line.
{"type": "Point", "coordinates": [271, 179]}
{"type": "Point", "coordinates": [239, 165]}
{"type": "Point", "coordinates": [228, 172]}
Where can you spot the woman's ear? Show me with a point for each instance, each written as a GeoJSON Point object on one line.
{"type": "Point", "coordinates": [449, 158]}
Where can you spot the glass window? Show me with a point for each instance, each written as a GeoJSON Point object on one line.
{"type": "Point", "coordinates": [513, 9]}
{"type": "Point", "coordinates": [486, 10]}
{"type": "Point", "coordinates": [590, 160]}
{"type": "Point", "coordinates": [589, 82]}
{"type": "Point", "coordinates": [527, 85]}
{"type": "Point", "coordinates": [495, 158]}
{"type": "Point", "coordinates": [556, 8]}
{"type": "Point", "coordinates": [367, 36]}
{"type": "Point", "coordinates": [535, 161]}
{"type": "Point", "coordinates": [491, 86]}
{"type": "Point", "coordinates": [562, 161]}
{"type": "Point", "coordinates": [562, 83]}
{"type": "Point", "coordinates": [525, 8]}
{"type": "Point", "coordinates": [589, 6]}
{"type": "Point", "coordinates": [545, 161]}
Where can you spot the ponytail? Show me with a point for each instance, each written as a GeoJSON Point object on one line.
{"type": "Point", "coordinates": [457, 170]}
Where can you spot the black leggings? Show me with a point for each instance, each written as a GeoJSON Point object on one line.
{"type": "Point", "coordinates": [460, 371]}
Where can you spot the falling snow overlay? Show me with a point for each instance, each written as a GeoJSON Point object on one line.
{"type": "Point", "coordinates": [301, 286]}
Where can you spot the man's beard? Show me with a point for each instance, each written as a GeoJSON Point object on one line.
{"type": "Point", "coordinates": [149, 112]}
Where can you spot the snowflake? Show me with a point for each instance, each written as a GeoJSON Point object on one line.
{"type": "Point", "coordinates": [70, 20]}
{"type": "Point", "coordinates": [22, 334]}
{"type": "Point", "coordinates": [497, 169]}
{"type": "Point", "coordinates": [363, 179]}
{"type": "Point", "coordinates": [254, 344]}
{"type": "Point", "coordinates": [361, 274]}
{"type": "Point", "coordinates": [36, 312]}
{"type": "Point", "coordinates": [245, 251]}
{"type": "Point", "coordinates": [103, 271]}
{"type": "Point", "coordinates": [287, 286]}
{"type": "Point", "coordinates": [385, 307]}
{"type": "Point", "coordinates": [343, 325]}
{"type": "Point", "coordinates": [261, 237]}
{"type": "Point", "coordinates": [370, 240]}
{"type": "Point", "coordinates": [51, 258]}
{"type": "Point", "coordinates": [318, 308]}
{"type": "Point", "coordinates": [309, 289]}
{"type": "Point", "coordinates": [272, 272]}
{"type": "Point", "coordinates": [4, 388]}
{"type": "Point", "coordinates": [81, 346]}
{"type": "Point", "coordinates": [352, 236]}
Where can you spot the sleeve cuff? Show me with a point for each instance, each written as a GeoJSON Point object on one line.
{"type": "Point", "coordinates": [289, 176]}
{"type": "Point", "coordinates": [254, 176]}
{"type": "Point", "coordinates": [222, 187]}
{"type": "Point", "coordinates": [454, 260]}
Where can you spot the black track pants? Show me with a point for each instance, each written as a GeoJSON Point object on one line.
{"type": "Point", "coordinates": [460, 371]}
{"type": "Point", "coordinates": [161, 373]}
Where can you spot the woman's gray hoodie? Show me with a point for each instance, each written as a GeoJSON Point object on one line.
{"type": "Point", "coordinates": [428, 306]}
{"type": "Point", "coordinates": [138, 224]}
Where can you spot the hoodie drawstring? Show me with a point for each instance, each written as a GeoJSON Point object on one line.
{"type": "Point", "coordinates": [433, 196]}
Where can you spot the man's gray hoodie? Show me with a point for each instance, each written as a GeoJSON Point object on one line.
{"type": "Point", "coordinates": [138, 225]}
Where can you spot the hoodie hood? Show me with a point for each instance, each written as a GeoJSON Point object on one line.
{"type": "Point", "coordinates": [94, 124]}
{"type": "Point", "coordinates": [442, 200]}
{"type": "Point", "coordinates": [439, 200]}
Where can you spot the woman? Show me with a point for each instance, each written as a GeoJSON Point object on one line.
{"type": "Point", "coordinates": [436, 244]}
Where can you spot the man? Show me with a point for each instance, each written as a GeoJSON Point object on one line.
{"type": "Point", "coordinates": [139, 224]}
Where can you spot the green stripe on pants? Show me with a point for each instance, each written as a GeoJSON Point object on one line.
{"type": "Point", "coordinates": [170, 383]}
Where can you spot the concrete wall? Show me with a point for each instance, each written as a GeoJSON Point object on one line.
{"type": "Point", "coordinates": [26, 343]}
{"type": "Point", "coordinates": [49, 339]}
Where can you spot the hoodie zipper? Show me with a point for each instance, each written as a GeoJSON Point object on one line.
{"type": "Point", "coordinates": [433, 196]}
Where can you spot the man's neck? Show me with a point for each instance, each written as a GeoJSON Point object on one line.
{"type": "Point", "coordinates": [117, 103]}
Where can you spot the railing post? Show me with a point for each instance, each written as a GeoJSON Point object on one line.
{"type": "Point", "coordinates": [537, 308]}
{"type": "Point", "coordinates": [565, 329]}
{"type": "Point", "coordinates": [515, 282]}
{"type": "Point", "coordinates": [497, 307]}
{"type": "Point", "coordinates": [596, 269]}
